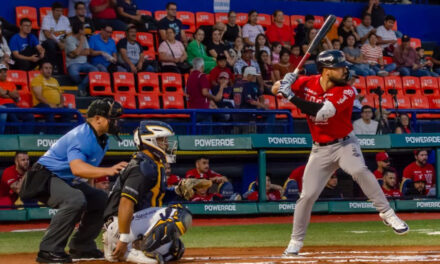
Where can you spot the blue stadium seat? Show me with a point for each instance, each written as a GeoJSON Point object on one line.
{"type": "Point", "coordinates": [226, 189]}
{"type": "Point", "coordinates": [291, 190]}
{"type": "Point", "coordinates": [405, 186]}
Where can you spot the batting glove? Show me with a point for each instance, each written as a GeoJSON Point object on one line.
{"type": "Point", "coordinates": [286, 85]}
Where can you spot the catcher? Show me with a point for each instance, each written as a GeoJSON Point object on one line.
{"type": "Point", "coordinates": [137, 228]}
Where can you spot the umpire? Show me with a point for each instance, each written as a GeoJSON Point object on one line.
{"type": "Point", "coordinates": [65, 167]}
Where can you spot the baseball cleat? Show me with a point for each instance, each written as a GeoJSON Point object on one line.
{"type": "Point", "coordinates": [293, 248]}
{"type": "Point", "coordinates": [94, 254]}
{"type": "Point", "coordinates": [53, 257]}
{"type": "Point", "coordinates": [137, 256]}
{"type": "Point", "coordinates": [391, 219]}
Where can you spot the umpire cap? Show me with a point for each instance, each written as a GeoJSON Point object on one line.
{"type": "Point", "coordinates": [106, 107]}
{"type": "Point", "coordinates": [331, 59]}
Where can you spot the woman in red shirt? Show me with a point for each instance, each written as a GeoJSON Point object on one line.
{"type": "Point", "coordinates": [403, 125]}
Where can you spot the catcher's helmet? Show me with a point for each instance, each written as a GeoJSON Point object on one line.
{"type": "Point", "coordinates": [331, 59]}
{"type": "Point", "coordinates": [146, 135]}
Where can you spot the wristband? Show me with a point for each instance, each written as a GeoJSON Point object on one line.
{"type": "Point", "coordinates": [124, 238]}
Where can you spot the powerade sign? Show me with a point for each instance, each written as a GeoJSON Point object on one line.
{"type": "Point", "coordinates": [37, 142]}
{"type": "Point", "coordinates": [374, 142]}
{"type": "Point", "coordinates": [282, 141]}
{"type": "Point", "coordinates": [415, 140]}
{"type": "Point", "coordinates": [214, 142]}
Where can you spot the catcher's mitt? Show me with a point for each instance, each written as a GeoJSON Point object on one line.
{"type": "Point", "coordinates": [185, 188]}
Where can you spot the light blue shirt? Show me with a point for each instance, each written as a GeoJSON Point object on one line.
{"type": "Point", "coordinates": [79, 143]}
{"type": "Point", "coordinates": [96, 43]}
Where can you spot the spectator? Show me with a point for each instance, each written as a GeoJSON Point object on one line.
{"type": "Point", "coordinates": [172, 179]}
{"type": "Point", "coordinates": [208, 29]}
{"type": "Point", "coordinates": [365, 29]}
{"type": "Point", "coordinates": [336, 44]}
{"type": "Point", "coordinates": [403, 125]}
{"type": "Point", "coordinates": [202, 194]}
{"type": "Point", "coordinates": [235, 51]}
{"type": "Point", "coordinates": [279, 31]}
{"type": "Point", "coordinates": [383, 126]}
{"type": "Point", "coordinates": [130, 54]}
{"type": "Point", "coordinates": [252, 29]}
{"type": "Point", "coordinates": [104, 15]}
{"type": "Point", "coordinates": [386, 36]}
{"type": "Point", "coordinates": [275, 52]}
{"type": "Point", "coordinates": [77, 50]}
{"type": "Point", "coordinates": [73, 10]}
{"type": "Point", "coordinates": [46, 93]}
{"type": "Point", "coordinates": [280, 69]}
{"type": "Point", "coordinates": [436, 59]}
{"type": "Point", "coordinates": [225, 101]}
{"type": "Point", "coordinates": [217, 47]}
{"type": "Point", "coordinates": [261, 43]}
{"type": "Point", "coordinates": [421, 167]}
{"type": "Point", "coordinates": [102, 184]}
{"type": "Point", "coordinates": [295, 55]}
{"type": "Point", "coordinates": [373, 55]}
{"type": "Point", "coordinates": [202, 171]}
{"type": "Point", "coordinates": [267, 71]}
{"type": "Point", "coordinates": [8, 29]}
{"type": "Point", "coordinates": [273, 191]}
{"type": "Point", "coordinates": [196, 49]}
{"type": "Point", "coordinates": [8, 99]}
{"type": "Point", "coordinates": [377, 13]}
{"type": "Point", "coordinates": [346, 28]}
{"type": "Point", "coordinates": [418, 189]}
{"type": "Point", "coordinates": [389, 184]}
{"type": "Point", "coordinates": [383, 162]}
{"type": "Point", "coordinates": [171, 21]}
{"type": "Point", "coordinates": [82, 15]}
{"type": "Point", "coordinates": [5, 52]}
{"type": "Point", "coordinates": [26, 50]}
{"type": "Point", "coordinates": [365, 125]}
{"type": "Point", "coordinates": [103, 50]}
{"type": "Point", "coordinates": [297, 175]}
{"type": "Point", "coordinates": [331, 189]}
{"type": "Point", "coordinates": [233, 31]}
{"type": "Point", "coordinates": [358, 97]}
{"type": "Point", "coordinates": [127, 11]}
{"type": "Point", "coordinates": [172, 54]}
{"type": "Point", "coordinates": [353, 54]}
{"type": "Point", "coordinates": [222, 66]}
{"type": "Point", "coordinates": [12, 179]}
{"type": "Point", "coordinates": [302, 30]}
{"type": "Point", "coordinates": [310, 65]}
{"type": "Point", "coordinates": [246, 60]}
{"type": "Point", "coordinates": [407, 60]}
{"type": "Point", "coordinates": [53, 33]}
{"type": "Point", "coordinates": [425, 63]}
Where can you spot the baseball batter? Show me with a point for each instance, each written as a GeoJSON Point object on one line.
{"type": "Point", "coordinates": [328, 100]}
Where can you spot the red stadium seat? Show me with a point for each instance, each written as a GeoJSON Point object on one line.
{"type": "Point", "coordinates": [145, 12]}
{"type": "Point", "coordinates": [414, 42]}
{"type": "Point", "coordinates": [387, 60]}
{"type": "Point", "coordinates": [20, 79]}
{"type": "Point", "coordinates": [264, 20]}
{"type": "Point", "coordinates": [99, 84]}
{"type": "Point", "coordinates": [221, 17]}
{"type": "Point", "coordinates": [242, 18]}
{"type": "Point", "coordinates": [118, 35]}
{"type": "Point", "coordinates": [319, 20]}
{"type": "Point", "coordinates": [127, 101]}
{"type": "Point", "coordinates": [25, 100]}
{"type": "Point", "coordinates": [158, 15]}
{"type": "Point", "coordinates": [69, 100]}
{"type": "Point", "coordinates": [149, 101]}
{"type": "Point", "coordinates": [124, 83]}
{"type": "Point", "coordinates": [368, 100]}
{"type": "Point", "coordinates": [284, 104]}
{"type": "Point", "coordinates": [147, 42]}
{"type": "Point", "coordinates": [419, 102]}
{"type": "Point", "coordinates": [395, 26]}
{"type": "Point", "coordinates": [373, 82]}
{"type": "Point", "coordinates": [356, 21]}
{"type": "Point", "coordinates": [360, 85]}
{"type": "Point", "coordinates": [148, 82]}
{"type": "Point", "coordinates": [429, 85]}
{"type": "Point", "coordinates": [188, 20]}
{"type": "Point", "coordinates": [296, 19]}
{"type": "Point", "coordinates": [28, 12]}
{"type": "Point", "coordinates": [338, 21]}
{"type": "Point", "coordinates": [387, 101]}
{"type": "Point", "coordinates": [172, 82]}
{"type": "Point", "coordinates": [270, 101]}
{"type": "Point", "coordinates": [411, 84]}
{"type": "Point", "coordinates": [32, 75]}
{"type": "Point", "coordinates": [173, 101]}
{"type": "Point", "coordinates": [403, 102]}
{"type": "Point", "coordinates": [204, 19]}
{"type": "Point", "coordinates": [393, 83]}
{"type": "Point", "coordinates": [434, 101]}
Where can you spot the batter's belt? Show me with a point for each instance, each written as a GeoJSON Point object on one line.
{"type": "Point", "coordinates": [331, 142]}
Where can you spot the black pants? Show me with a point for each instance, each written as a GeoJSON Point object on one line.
{"type": "Point", "coordinates": [54, 55]}
{"type": "Point", "coordinates": [26, 65]}
{"type": "Point", "coordinates": [75, 203]}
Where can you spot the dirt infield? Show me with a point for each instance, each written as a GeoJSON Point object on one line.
{"type": "Point", "coordinates": [272, 255]}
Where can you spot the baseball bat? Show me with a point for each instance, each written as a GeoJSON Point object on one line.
{"type": "Point", "coordinates": [331, 19]}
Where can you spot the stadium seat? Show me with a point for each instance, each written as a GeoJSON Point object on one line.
{"type": "Point", "coordinates": [270, 101]}
{"type": "Point", "coordinates": [429, 85]}
{"type": "Point", "coordinates": [393, 83]}
{"type": "Point", "coordinates": [188, 20]}
{"type": "Point", "coordinates": [403, 102]}
{"type": "Point", "coordinates": [264, 20]}
{"type": "Point", "coordinates": [360, 85]}
{"type": "Point", "coordinates": [410, 84]}
{"type": "Point", "coordinates": [373, 82]}
{"type": "Point", "coordinates": [145, 39]}
{"type": "Point", "coordinates": [291, 190]}
{"type": "Point", "coordinates": [172, 82]}
{"type": "Point", "coordinates": [419, 102]}
{"type": "Point", "coordinates": [148, 101]}
{"type": "Point", "coordinates": [395, 26]}
{"type": "Point", "coordinates": [32, 75]}
{"type": "Point", "coordinates": [387, 101]}
{"type": "Point", "coordinates": [158, 15]}
{"type": "Point", "coordinates": [434, 101]}
{"type": "Point", "coordinates": [173, 101]}
{"type": "Point", "coordinates": [99, 84]}
{"type": "Point", "coordinates": [204, 19]}
{"type": "Point", "coordinates": [338, 21]}
{"type": "Point", "coordinates": [148, 83]}
{"type": "Point", "coordinates": [414, 42]}
{"type": "Point", "coordinates": [20, 79]}
{"type": "Point", "coordinates": [221, 17]}
{"type": "Point", "coordinates": [356, 21]}
{"type": "Point", "coordinates": [145, 12]}
{"type": "Point", "coordinates": [368, 100]}
{"type": "Point", "coordinates": [126, 100]}
{"type": "Point", "coordinates": [295, 20]}
{"type": "Point", "coordinates": [25, 100]}
{"type": "Point", "coordinates": [69, 100]}
{"type": "Point", "coordinates": [284, 104]}
{"type": "Point", "coordinates": [387, 60]}
{"type": "Point", "coordinates": [28, 12]}
{"type": "Point", "coordinates": [319, 20]}
{"type": "Point", "coordinates": [123, 83]}
{"type": "Point", "coordinates": [226, 189]}
{"type": "Point", "coordinates": [405, 186]}
{"type": "Point", "coordinates": [242, 19]}
{"type": "Point", "coordinates": [118, 35]}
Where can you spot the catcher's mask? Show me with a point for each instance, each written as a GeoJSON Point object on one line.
{"type": "Point", "coordinates": [154, 137]}
{"type": "Point", "coordinates": [109, 109]}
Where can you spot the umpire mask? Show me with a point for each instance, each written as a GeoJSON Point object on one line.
{"type": "Point", "coordinates": [109, 109]}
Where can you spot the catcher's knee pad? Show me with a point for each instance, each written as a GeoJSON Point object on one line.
{"type": "Point", "coordinates": [168, 228]}
{"type": "Point", "coordinates": [172, 251]}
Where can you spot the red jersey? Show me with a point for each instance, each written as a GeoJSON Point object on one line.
{"type": "Point", "coordinates": [213, 75]}
{"type": "Point", "coordinates": [342, 97]}
{"type": "Point", "coordinates": [10, 175]}
{"type": "Point", "coordinates": [272, 195]}
{"type": "Point", "coordinates": [280, 34]}
{"type": "Point", "coordinates": [297, 175]}
{"type": "Point", "coordinates": [391, 193]}
{"type": "Point", "coordinates": [108, 13]}
{"type": "Point", "coordinates": [378, 174]}
{"type": "Point", "coordinates": [195, 174]}
{"type": "Point", "coordinates": [206, 198]}
{"type": "Point", "coordinates": [428, 171]}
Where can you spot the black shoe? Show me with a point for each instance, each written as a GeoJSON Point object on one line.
{"type": "Point", "coordinates": [86, 255]}
{"type": "Point", "coordinates": [53, 257]}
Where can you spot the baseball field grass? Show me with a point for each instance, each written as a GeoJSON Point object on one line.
{"type": "Point", "coordinates": [374, 233]}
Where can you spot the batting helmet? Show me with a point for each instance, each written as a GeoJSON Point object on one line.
{"type": "Point", "coordinates": [331, 59]}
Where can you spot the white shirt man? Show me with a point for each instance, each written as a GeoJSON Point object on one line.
{"type": "Point", "coordinates": [365, 125]}
{"type": "Point", "coordinates": [59, 30]}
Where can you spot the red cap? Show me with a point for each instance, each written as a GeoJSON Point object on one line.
{"type": "Point", "coordinates": [419, 177]}
{"type": "Point", "coordinates": [381, 156]}
{"type": "Point", "coordinates": [102, 179]}
{"type": "Point", "coordinates": [173, 179]}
